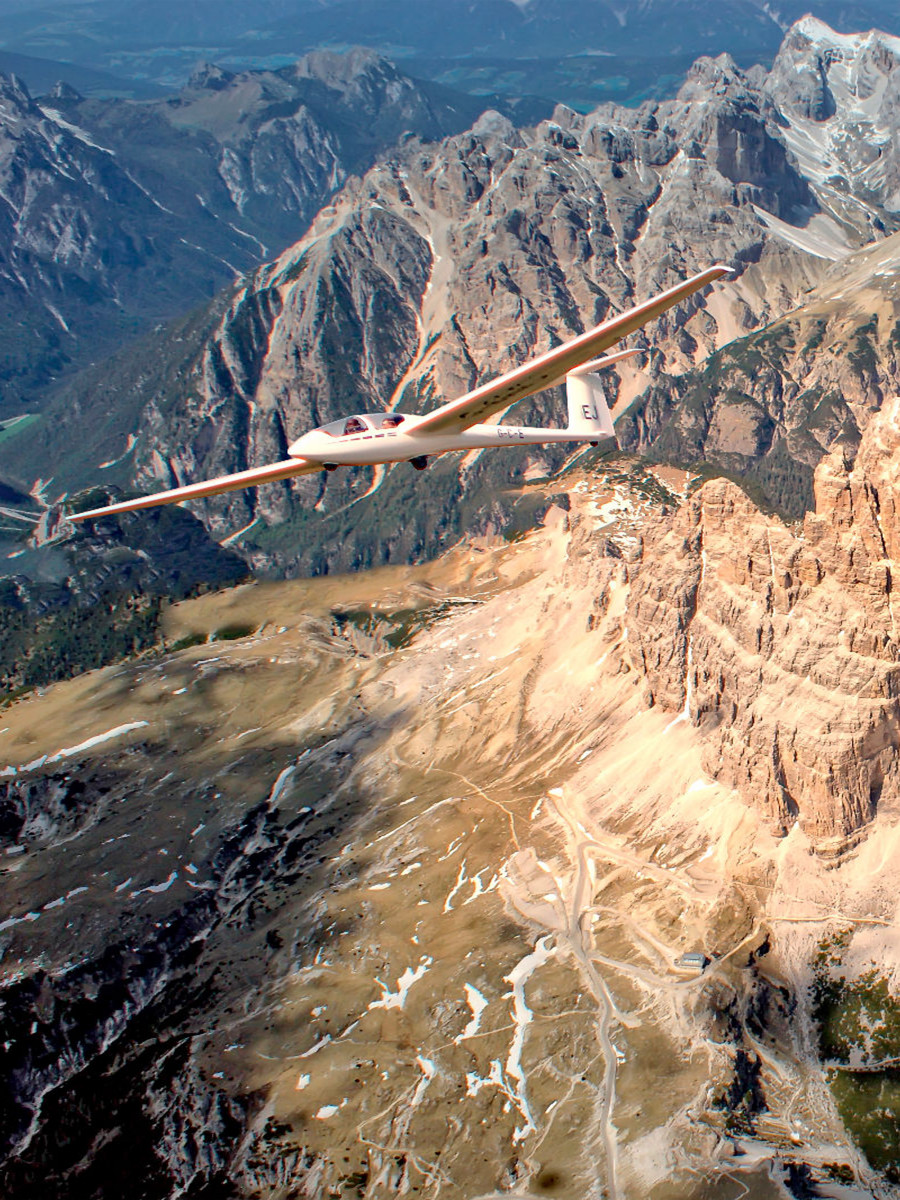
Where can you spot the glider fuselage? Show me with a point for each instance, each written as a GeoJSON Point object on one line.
{"type": "Point", "coordinates": [373, 445]}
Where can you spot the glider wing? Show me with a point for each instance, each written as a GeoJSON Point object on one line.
{"type": "Point", "coordinates": [210, 487]}
{"type": "Point", "coordinates": [553, 366]}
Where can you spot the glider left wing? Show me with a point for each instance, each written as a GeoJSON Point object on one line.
{"type": "Point", "coordinates": [553, 366]}
{"type": "Point", "coordinates": [210, 487]}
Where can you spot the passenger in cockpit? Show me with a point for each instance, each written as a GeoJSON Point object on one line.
{"type": "Point", "coordinates": [391, 421]}
{"type": "Point", "coordinates": [354, 425]}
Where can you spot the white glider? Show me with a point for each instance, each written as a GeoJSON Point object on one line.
{"type": "Point", "coordinates": [370, 438]}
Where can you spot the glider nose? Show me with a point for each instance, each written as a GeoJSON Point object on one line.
{"type": "Point", "coordinates": [301, 446]}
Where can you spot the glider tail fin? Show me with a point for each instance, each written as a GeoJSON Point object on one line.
{"type": "Point", "coordinates": [589, 413]}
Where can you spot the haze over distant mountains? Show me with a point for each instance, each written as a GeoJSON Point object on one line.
{"type": "Point", "coordinates": [577, 51]}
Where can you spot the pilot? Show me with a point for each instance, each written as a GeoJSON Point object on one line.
{"type": "Point", "coordinates": [391, 421]}
{"type": "Point", "coordinates": [354, 425]}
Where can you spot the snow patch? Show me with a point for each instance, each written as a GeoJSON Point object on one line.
{"type": "Point", "coordinates": [821, 236]}
{"type": "Point", "coordinates": [69, 751]}
{"type": "Point", "coordinates": [477, 1004]}
{"type": "Point", "coordinates": [397, 999]}
{"type": "Point", "coordinates": [156, 888]}
{"type": "Point", "coordinates": [523, 1016]}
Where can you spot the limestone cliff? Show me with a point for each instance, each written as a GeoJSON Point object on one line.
{"type": "Point", "coordinates": [780, 644]}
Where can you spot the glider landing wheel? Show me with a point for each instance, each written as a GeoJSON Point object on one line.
{"type": "Point", "coordinates": [420, 462]}
{"type": "Point", "coordinates": [329, 467]}
{"type": "Point", "coordinates": [595, 443]}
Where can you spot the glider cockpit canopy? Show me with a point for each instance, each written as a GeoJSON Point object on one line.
{"type": "Point", "coordinates": [361, 423]}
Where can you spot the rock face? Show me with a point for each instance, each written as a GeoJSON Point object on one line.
{"type": "Point", "coordinates": [119, 213]}
{"type": "Point", "coordinates": [839, 96]}
{"type": "Point", "coordinates": [781, 646]}
{"type": "Point", "coordinates": [769, 406]}
{"type": "Point", "coordinates": [75, 226]}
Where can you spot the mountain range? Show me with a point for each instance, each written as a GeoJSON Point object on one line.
{"type": "Point", "coordinates": [450, 260]}
{"type": "Point", "coordinates": [119, 213]}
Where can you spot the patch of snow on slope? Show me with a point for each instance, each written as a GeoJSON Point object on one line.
{"type": "Point", "coordinates": [821, 34]}
{"type": "Point", "coordinates": [397, 999]}
{"type": "Point", "coordinates": [69, 751]}
{"type": "Point", "coordinates": [82, 134]}
{"type": "Point", "coordinates": [821, 236]}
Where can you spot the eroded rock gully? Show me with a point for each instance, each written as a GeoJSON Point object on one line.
{"type": "Point", "coordinates": [780, 644]}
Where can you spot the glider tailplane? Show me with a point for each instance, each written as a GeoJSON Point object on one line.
{"type": "Point", "coordinates": [589, 414]}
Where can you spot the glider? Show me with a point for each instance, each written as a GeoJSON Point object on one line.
{"type": "Point", "coordinates": [366, 439]}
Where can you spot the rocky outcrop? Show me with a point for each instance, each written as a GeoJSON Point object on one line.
{"type": "Point", "coordinates": [45, 807]}
{"type": "Point", "coordinates": [739, 135]}
{"type": "Point", "coordinates": [767, 407]}
{"type": "Point", "coordinates": [780, 645]}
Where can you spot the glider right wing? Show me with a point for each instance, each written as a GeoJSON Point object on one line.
{"type": "Point", "coordinates": [549, 368]}
{"type": "Point", "coordinates": [210, 487]}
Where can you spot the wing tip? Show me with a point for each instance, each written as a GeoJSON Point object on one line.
{"type": "Point", "coordinates": [89, 514]}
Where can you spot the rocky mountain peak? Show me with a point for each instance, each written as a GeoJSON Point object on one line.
{"type": "Point", "coordinates": [338, 69]}
{"type": "Point", "coordinates": [209, 77]}
{"type": "Point", "coordinates": [18, 101]}
{"type": "Point", "coordinates": [712, 76]}
{"type": "Point", "coordinates": [720, 115]}
{"type": "Point", "coordinates": [64, 92]}
{"type": "Point", "coordinates": [492, 124]}
{"type": "Point", "coordinates": [818, 71]}
{"type": "Point", "coordinates": [837, 46]}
